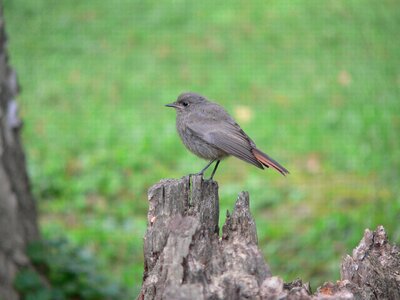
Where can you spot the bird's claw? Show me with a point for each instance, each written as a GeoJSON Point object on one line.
{"type": "Point", "coordinates": [202, 175]}
{"type": "Point", "coordinates": [196, 174]}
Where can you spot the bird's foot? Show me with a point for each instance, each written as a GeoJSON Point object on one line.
{"type": "Point", "coordinates": [197, 174]}
{"type": "Point", "coordinates": [202, 175]}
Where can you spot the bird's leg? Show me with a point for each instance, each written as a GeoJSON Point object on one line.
{"type": "Point", "coordinates": [215, 169]}
{"type": "Point", "coordinates": [205, 168]}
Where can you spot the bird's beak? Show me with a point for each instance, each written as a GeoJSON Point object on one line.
{"type": "Point", "coordinates": [173, 104]}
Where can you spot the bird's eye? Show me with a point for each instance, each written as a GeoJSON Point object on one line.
{"type": "Point", "coordinates": [185, 103]}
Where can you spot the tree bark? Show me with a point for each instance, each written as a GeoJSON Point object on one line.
{"type": "Point", "coordinates": [185, 258]}
{"type": "Point", "coordinates": [18, 221]}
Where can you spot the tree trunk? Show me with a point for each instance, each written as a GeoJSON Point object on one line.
{"type": "Point", "coordinates": [185, 258]}
{"type": "Point", "coordinates": [18, 223]}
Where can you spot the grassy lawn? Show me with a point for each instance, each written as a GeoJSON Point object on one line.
{"type": "Point", "coordinates": [315, 83]}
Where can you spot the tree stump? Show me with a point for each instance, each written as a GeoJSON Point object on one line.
{"type": "Point", "coordinates": [185, 258]}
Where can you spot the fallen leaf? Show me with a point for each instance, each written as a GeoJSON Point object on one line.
{"type": "Point", "coordinates": [344, 78]}
{"type": "Point", "coordinates": [243, 114]}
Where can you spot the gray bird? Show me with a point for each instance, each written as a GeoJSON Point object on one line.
{"type": "Point", "coordinates": [208, 131]}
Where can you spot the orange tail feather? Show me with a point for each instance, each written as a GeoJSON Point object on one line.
{"type": "Point", "coordinates": [269, 162]}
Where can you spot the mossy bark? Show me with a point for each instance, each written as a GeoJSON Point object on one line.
{"type": "Point", "coordinates": [18, 220]}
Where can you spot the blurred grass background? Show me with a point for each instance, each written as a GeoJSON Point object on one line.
{"type": "Point", "coordinates": [315, 83]}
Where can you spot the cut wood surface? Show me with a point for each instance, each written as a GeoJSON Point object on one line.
{"type": "Point", "coordinates": [186, 258]}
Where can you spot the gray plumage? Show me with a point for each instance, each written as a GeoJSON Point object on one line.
{"type": "Point", "coordinates": [208, 131]}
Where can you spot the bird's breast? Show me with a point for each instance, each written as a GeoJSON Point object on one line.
{"type": "Point", "coordinates": [196, 144]}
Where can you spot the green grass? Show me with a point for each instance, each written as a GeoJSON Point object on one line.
{"type": "Point", "coordinates": [315, 84]}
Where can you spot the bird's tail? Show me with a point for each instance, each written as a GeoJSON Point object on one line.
{"type": "Point", "coordinates": [268, 161]}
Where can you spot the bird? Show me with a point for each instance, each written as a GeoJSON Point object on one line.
{"type": "Point", "coordinates": [208, 131]}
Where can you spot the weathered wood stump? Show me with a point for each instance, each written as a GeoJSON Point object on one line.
{"type": "Point", "coordinates": [185, 258]}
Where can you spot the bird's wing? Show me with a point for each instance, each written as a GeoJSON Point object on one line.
{"type": "Point", "coordinates": [227, 136]}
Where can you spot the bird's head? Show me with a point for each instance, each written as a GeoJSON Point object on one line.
{"type": "Point", "coordinates": [187, 102]}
